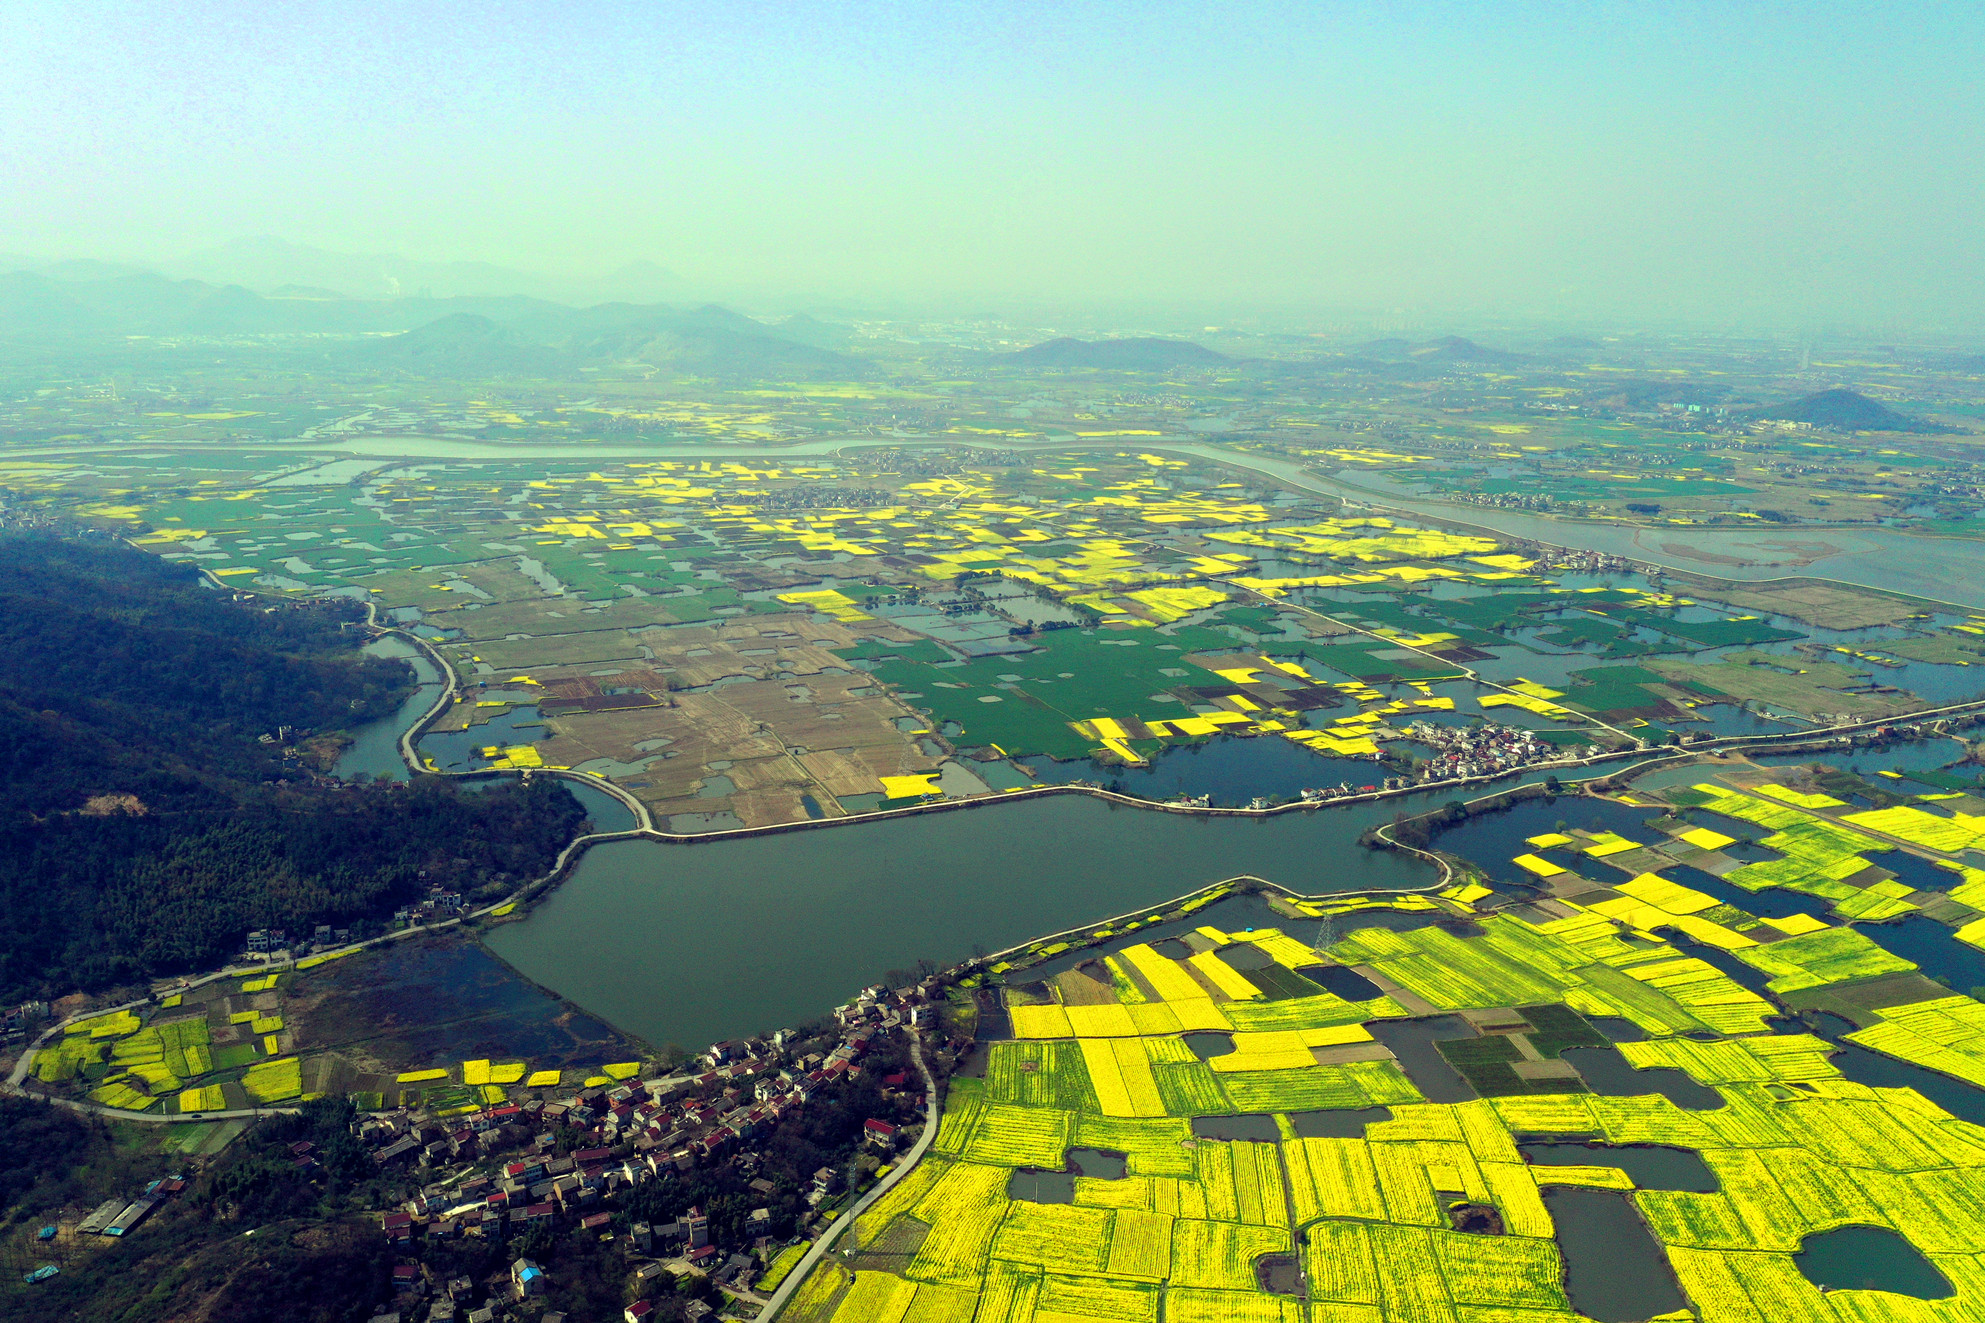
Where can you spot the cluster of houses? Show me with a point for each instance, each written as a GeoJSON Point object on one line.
{"type": "Point", "coordinates": [16, 1021]}
{"type": "Point", "coordinates": [1572, 560]}
{"type": "Point", "coordinates": [1323, 794]}
{"type": "Point", "coordinates": [277, 945]}
{"type": "Point", "coordinates": [499, 1170]}
{"type": "Point", "coordinates": [1482, 750]}
{"type": "Point", "coordinates": [439, 904]}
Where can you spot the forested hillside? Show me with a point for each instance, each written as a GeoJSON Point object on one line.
{"type": "Point", "coordinates": [144, 825]}
{"type": "Point", "coordinates": [120, 673]}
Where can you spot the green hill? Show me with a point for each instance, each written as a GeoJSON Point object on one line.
{"type": "Point", "coordinates": [147, 828]}
{"type": "Point", "coordinates": [1847, 410]}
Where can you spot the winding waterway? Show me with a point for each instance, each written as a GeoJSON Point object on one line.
{"type": "Point", "coordinates": [375, 747]}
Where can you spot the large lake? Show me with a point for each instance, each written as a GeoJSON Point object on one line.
{"type": "Point", "coordinates": [695, 943]}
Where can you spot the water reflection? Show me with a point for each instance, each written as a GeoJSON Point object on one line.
{"type": "Point", "coordinates": [1914, 756]}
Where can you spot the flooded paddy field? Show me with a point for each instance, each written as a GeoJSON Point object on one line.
{"type": "Point", "coordinates": [438, 1000]}
{"type": "Point", "coordinates": [757, 676]}
{"type": "Point", "coordinates": [1864, 1258]}
{"type": "Point", "coordinates": [1615, 1270]}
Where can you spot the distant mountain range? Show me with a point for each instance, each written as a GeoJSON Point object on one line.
{"type": "Point", "coordinates": [462, 344]}
{"type": "Point", "coordinates": [1848, 410]}
{"type": "Point", "coordinates": [806, 330]}
{"type": "Point", "coordinates": [460, 336]}
{"type": "Point", "coordinates": [710, 341]}
{"type": "Point", "coordinates": [146, 303]}
{"type": "Point", "coordinates": [1637, 394]}
{"type": "Point", "coordinates": [1135, 353]}
{"type": "Point", "coordinates": [266, 264]}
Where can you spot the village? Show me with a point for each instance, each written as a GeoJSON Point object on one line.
{"type": "Point", "coordinates": [626, 1165]}
{"type": "Point", "coordinates": [1483, 750]}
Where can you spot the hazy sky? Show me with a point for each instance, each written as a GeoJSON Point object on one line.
{"type": "Point", "coordinates": [1819, 160]}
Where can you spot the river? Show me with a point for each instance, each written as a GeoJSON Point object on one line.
{"type": "Point", "coordinates": [375, 747]}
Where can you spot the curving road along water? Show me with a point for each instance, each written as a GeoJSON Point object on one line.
{"type": "Point", "coordinates": [1950, 570]}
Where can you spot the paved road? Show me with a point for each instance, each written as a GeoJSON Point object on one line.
{"type": "Point", "coordinates": [159, 1118]}
{"type": "Point", "coordinates": [826, 1239]}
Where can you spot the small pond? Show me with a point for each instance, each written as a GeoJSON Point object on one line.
{"type": "Point", "coordinates": [1256, 1128]}
{"type": "Point", "coordinates": [1651, 1166]}
{"type": "Point", "coordinates": [1615, 1270]}
{"type": "Point", "coordinates": [1208, 1043]}
{"type": "Point", "coordinates": [1349, 1123]}
{"type": "Point", "coordinates": [1413, 1042]}
{"type": "Point", "coordinates": [1870, 1259]}
{"type": "Point", "coordinates": [1058, 1187]}
{"type": "Point", "coordinates": [1608, 1074]}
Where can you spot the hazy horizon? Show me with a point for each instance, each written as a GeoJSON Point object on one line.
{"type": "Point", "coordinates": [1781, 166]}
